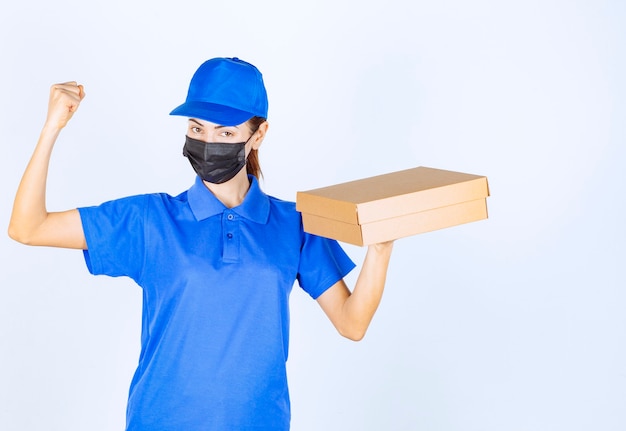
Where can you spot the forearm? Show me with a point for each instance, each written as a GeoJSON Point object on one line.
{"type": "Point", "coordinates": [29, 207]}
{"type": "Point", "coordinates": [359, 308]}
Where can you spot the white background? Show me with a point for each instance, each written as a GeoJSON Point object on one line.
{"type": "Point", "coordinates": [513, 323]}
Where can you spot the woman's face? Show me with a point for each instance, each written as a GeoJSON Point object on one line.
{"type": "Point", "coordinates": [210, 132]}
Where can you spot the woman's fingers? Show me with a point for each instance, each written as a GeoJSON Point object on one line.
{"type": "Point", "coordinates": [64, 101]}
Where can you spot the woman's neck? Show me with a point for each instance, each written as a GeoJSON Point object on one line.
{"type": "Point", "coordinates": [232, 192]}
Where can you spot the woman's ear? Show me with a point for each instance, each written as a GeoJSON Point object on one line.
{"type": "Point", "coordinates": [259, 135]}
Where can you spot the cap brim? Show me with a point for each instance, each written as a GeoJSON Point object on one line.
{"type": "Point", "coordinates": [218, 114]}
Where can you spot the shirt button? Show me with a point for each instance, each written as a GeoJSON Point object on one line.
{"type": "Point", "coordinates": [230, 217]}
{"type": "Point", "coordinates": [229, 235]}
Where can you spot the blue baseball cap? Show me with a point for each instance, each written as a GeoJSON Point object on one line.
{"type": "Point", "coordinates": [225, 91]}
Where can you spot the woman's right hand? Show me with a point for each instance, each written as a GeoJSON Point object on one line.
{"type": "Point", "coordinates": [64, 101]}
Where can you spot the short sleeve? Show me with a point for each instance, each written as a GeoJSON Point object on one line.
{"type": "Point", "coordinates": [115, 237]}
{"type": "Point", "coordinates": [322, 263]}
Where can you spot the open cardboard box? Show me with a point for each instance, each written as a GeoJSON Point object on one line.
{"type": "Point", "coordinates": [395, 205]}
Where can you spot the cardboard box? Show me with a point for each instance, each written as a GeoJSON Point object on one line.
{"type": "Point", "coordinates": [395, 205]}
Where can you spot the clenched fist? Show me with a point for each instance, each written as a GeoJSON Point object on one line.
{"type": "Point", "coordinates": [64, 101]}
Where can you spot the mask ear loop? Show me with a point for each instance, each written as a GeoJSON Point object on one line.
{"type": "Point", "coordinates": [244, 146]}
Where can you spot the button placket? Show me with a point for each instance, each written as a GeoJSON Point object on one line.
{"type": "Point", "coordinates": [230, 228]}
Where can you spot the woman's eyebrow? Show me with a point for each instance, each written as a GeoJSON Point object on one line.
{"type": "Point", "coordinates": [216, 127]}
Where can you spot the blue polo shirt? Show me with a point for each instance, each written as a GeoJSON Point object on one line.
{"type": "Point", "coordinates": [216, 284]}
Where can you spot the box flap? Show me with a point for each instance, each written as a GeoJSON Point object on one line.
{"type": "Point", "coordinates": [397, 227]}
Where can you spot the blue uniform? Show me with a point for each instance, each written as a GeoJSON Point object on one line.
{"type": "Point", "coordinates": [216, 284]}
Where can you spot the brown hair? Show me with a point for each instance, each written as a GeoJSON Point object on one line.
{"type": "Point", "coordinates": [252, 164]}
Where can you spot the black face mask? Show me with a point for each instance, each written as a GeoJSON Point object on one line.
{"type": "Point", "coordinates": [215, 162]}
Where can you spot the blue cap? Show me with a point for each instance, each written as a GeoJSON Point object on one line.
{"type": "Point", "coordinates": [225, 91]}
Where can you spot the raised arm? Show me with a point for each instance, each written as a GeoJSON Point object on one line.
{"type": "Point", "coordinates": [352, 312]}
{"type": "Point", "coordinates": [31, 223]}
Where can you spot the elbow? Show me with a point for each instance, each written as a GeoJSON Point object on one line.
{"type": "Point", "coordinates": [17, 235]}
{"type": "Point", "coordinates": [13, 234]}
{"type": "Point", "coordinates": [353, 334]}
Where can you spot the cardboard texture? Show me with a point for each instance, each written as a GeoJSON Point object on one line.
{"type": "Point", "coordinates": [395, 205]}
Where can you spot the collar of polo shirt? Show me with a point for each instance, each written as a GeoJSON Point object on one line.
{"type": "Point", "coordinates": [255, 206]}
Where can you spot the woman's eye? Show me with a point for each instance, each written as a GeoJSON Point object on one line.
{"type": "Point", "coordinates": [195, 130]}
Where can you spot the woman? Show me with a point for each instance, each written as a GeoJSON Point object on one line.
{"type": "Point", "coordinates": [216, 263]}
